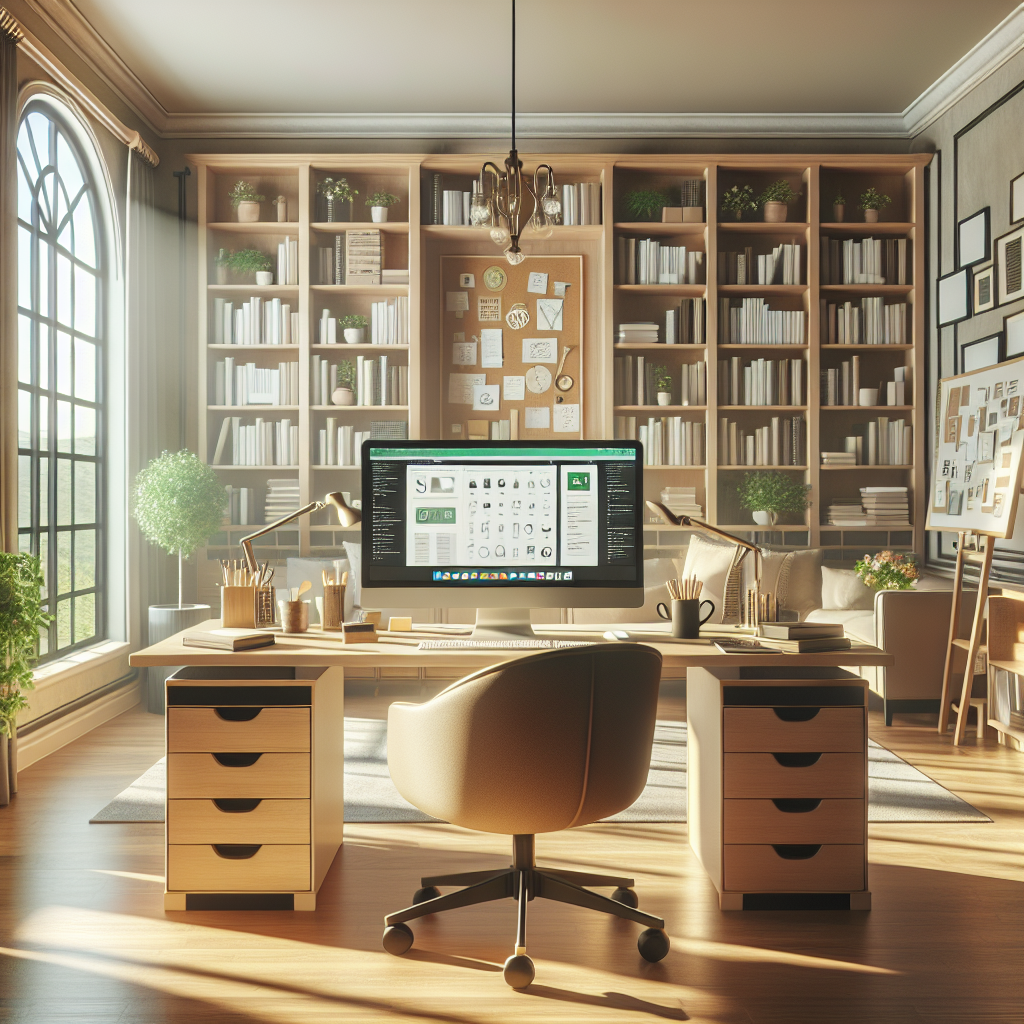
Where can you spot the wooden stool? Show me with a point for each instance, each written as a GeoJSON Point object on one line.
{"type": "Point", "coordinates": [980, 705]}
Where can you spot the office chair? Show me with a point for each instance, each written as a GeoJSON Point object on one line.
{"type": "Point", "coordinates": [542, 743]}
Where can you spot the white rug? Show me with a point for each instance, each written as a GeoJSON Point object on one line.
{"type": "Point", "coordinates": [897, 791]}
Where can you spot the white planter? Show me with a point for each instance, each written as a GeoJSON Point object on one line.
{"type": "Point", "coordinates": [264, 277]}
{"type": "Point", "coordinates": [248, 213]}
{"type": "Point", "coordinates": [282, 208]}
{"type": "Point", "coordinates": [378, 214]}
{"type": "Point", "coordinates": [355, 335]}
{"type": "Point", "coordinates": [766, 518]}
{"type": "Point", "coordinates": [343, 396]}
{"type": "Point", "coordinates": [165, 620]}
{"type": "Point", "coordinates": [664, 398]}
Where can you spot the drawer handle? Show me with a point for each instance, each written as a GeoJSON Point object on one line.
{"type": "Point", "coordinates": [795, 760]}
{"type": "Point", "coordinates": [796, 851]}
{"type": "Point", "coordinates": [795, 805]}
{"type": "Point", "coordinates": [237, 805]}
{"type": "Point", "coordinates": [237, 760]}
{"type": "Point", "coordinates": [795, 714]}
{"type": "Point", "coordinates": [237, 714]}
{"type": "Point", "coordinates": [236, 851]}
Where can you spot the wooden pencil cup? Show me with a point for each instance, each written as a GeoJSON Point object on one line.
{"type": "Point", "coordinates": [333, 614]}
{"type": "Point", "coordinates": [294, 616]}
{"type": "Point", "coordinates": [238, 607]}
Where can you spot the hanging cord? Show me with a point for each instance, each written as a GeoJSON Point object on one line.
{"type": "Point", "coordinates": [513, 74]}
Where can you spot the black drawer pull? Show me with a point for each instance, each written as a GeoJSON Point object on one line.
{"type": "Point", "coordinates": [795, 714]}
{"type": "Point", "coordinates": [796, 851]}
{"type": "Point", "coordinates": [237, 714]}
{"type": "Point", "coordinates": [793, 760]}
{"type": "Point", "coordinates": [236, 851]}
{"type": "Point", "coordinates": [237, 760]}
{"type": "Point", "coordinates": [796, 805]}
{"type": "Point", "coordinates": [237, 805]}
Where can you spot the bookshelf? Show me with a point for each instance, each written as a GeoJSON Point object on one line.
{"type": "Point", "coordinates": [608, 301]}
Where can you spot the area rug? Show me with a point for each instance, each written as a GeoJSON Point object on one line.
{"type": "Point", "coordinates": [897, 791]}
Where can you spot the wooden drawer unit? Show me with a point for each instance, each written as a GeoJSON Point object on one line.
{"type": "Point", "coordinates": [792, 729]}
{"type": "Point", "coordinates": [769, 776]}
{"type": "Point", "coordinates": [238, 821]}
{"type": "Point", "coordinates": [237, 729]}
{"type": "Point", "coordinates": [793, 821]}
{"type": "Point", "coordinates": [238, 868]}
{"type": "Point", "coordinates": [794, 868]}
{"type": "Point", "coordinates": [263, 776]}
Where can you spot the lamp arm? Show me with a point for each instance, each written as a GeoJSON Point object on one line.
{"type": "Point", "coordinates": [674, 520]}
{"type": "Point", "coordinates": [250, 558]}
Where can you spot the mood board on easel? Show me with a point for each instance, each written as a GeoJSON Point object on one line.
{"type": "Point", "coordinates": [511, 348]}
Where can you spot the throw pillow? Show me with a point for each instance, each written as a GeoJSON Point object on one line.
{"type": "Point", "coordinates": [775, 569]}
{"type": "Point", "coordinates": [711, 563]}
{"type": "Point", "coordinates": [803, 592]}
{"type": "Point", "coordinates": [843, 590]}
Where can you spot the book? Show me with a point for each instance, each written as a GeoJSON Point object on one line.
{"type": "Point", "coordinates": [801, 630]}
{"type": "Point", "coordinates": [809, 646]}
{"type": "Point", "coordinates": [229, 639]}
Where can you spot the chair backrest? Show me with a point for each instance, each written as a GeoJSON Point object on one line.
{"type": "Point", "coordinates": [538, 744]}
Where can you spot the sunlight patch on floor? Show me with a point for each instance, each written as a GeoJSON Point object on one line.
{"type": "Point", "coordinates": [757, 954]}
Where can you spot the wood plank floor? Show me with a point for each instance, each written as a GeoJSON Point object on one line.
{"type": "Point", "coordinates": [83, 937]}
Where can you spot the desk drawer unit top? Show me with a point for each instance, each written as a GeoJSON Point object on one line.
{"type": "Point", "coordinates": [282, 776]}
{"type": "Point", "coordinates": [237, 729]}
{"type": "Point", "coordinates": [238, 868]}
{"type": "Point", "coordinates": [793, 821]}
{"type": "Point", "coordinates": [794, 868]}
{"type": "Point", "coordinates": [780, 775]}
{"type": "Point", "coordinates": [794, 729]}
{"type": "Point", "coordinates": [238, 821]}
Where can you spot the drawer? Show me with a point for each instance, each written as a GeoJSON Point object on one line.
{"type": "Point", "coordinates": [781, 729]}
{"type": "Point", "coordinates": [793, 821]}
{"type": "Point", "coordinates": [787, 869]}
{"type": "Point", "coordinates": [238, 868]}
{"type": "Point", "coordinates": [233, 729]}
{"type": "Point", "coordinates": [836, 775]}
{"type": "Point", "coordinates": [238, 821]}
{"type": "Point", "coordinates": [269, 776]}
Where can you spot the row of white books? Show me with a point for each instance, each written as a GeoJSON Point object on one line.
{"type": "Point", "coordinates": [288, 261]}
{"type": "Point", "coordinates": [634, 382]}
{"type": "Point", "coordinates": [783, 265]}
{"type": "Point", "coordinates": [752, 322]}
{"type": "Point", "coordinates": [256, 321]}
{"type": "Point", "coordinates": [263, 443]}
{"type": "Point", "coordinates": [581, 202]}
{"type": "Point", "coordinates": [780, 443]}
{"type": "Point", "coordinates": [682, 501]}
{"type": "Point", "coordinates": [868, 261]}
{"type": "Point", "coordinates": [667, 441]}
{"type": "Point", "coordinates": [250, 384]}
{"type": "Point", "coordinates": [841, 385]}
{"type": "Point", "coordinates": [684, 325]}
{"type": "Point", "coordinates": [872, 322]}
{"type": "Point", "coordinates": [760, 382]}
{"type": "Point", "coordinates": [340, 446]}
{"type": "Point", "coordinates": [241, 506]}
{"type": "Point", "coordinates": [881, 442]}
{"type": "Point", "coordinates": [648, 261]}
{"type": "Point", "coordinates": [377, 381]}
{"type": "Point", "coordinates": [389, 324]}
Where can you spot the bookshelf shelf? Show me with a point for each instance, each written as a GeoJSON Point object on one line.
{"type": "Point", "coordinates": [664, 409]}
{"type": "Point", "coordinates": [863, 228]}
{"type": "Point", "coordinates": [348, 469]}
{"type": "Point", "coordinates": [361, 289]}
{"type": "Point", "coordinates": [271, 290]}
{"type": "Point", "coordinates": [253, 348]}
{"type": "Point", "coordinates": [888, 528]}
{"type": "Point", "coordinates": [757, 227]}
{"type": "Point", "coordinates": [868, 348]}
{"type": "Point", "coordinates": [658, 228]}
{"type": "Point", "coordinates": [257, 469]}
{"type": "Point", "coordinates": [665, 467]}
{"type": "Point", "coordinates": [346, 347]}
{"type": "Point", "coordinates": [749, 348]}
{"type": "Point", "coordinates": [261, 227]}
{"type": "Point", "coordinates": [873, 289]}
{"type": "Point", "coordinates": [866, 408]}
{"type": "Point", "coordinates": [389, 227]}
{"type": "Point", "coordinates": [655, 346]}
{"type": "Point", "coordinates": [762, 408]}
{"type": "Point", "coordinates": [468, 232]}
{"type": "Point", "coordinates": [252, 408]}
{"type": "Point", "coordinates": [696, 291]}
{"type": "Point", "coordinates": [857, 469]}
{"type": "Point", "coordinates": [754, 528]}
{"type": "Point", "coordinates": [762, 290]}
{"type": "Point", "coordinates": [750, 469]}
{"type": "Point", "coordinates": [359, 408]}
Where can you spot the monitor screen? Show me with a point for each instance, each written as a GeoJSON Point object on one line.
{"type": "Point", "coordinates": [465, 518]}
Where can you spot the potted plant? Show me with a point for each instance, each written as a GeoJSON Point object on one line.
{"type": "Point", "coordinates": [887, 571]}
{"type": "Point", "coordinates": [344, 390]}
{"type": "Point", "coordinates": [249, 261]}
{"type": "Point", "coordinates": [338, 195]}
{"type": "Point", "coordinates": [663, 384]}
{"type": "Point", "coordinates": [774, 201]}
{"type": "Point", "coordinates": [178, 502]}
{"type": "Point", "coordinates": [378, 204]}
{"type": "Point", "coordinates": [645, 203]}
{"type": "Point", "coordinates": [871, 201]}
{"type": "Point", "coordinates": [246, 201]}
{"type": "Point", "coordinates": [771, 494]}
{"type": "Point", "coordinates": [353, 327]}
{"type": "Point", "coordinates": [281, 202]}
{"type": "Point", "coordinates": [838, 208]}
{"type": "Point", "coordinates": [21, 619]}
{"type": "Point", "coordinates": [737, 199]}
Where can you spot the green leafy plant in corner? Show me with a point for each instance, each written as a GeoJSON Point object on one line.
{"type": "Point", "coordinates": [382, 199]}
{"type": "Point", "coordinates": [739, 198]}
{"type": "Point", "coordinates": [246, 261]}
{"type": "Point", "coordinates": [777, 192]}
{"type": "Point", "coordinates": [840, 199]}
{"type": "Point", "coordinates": [662, 378]}
{"type": "Point", "coordinates": [346, 375]}
{"type": "Point", "coordinates": [773, 492]}
{"type": "Point", "coordinates": [244, 192]}
{"type": "Point", "coordinates": [337, 189]}
{"type": "Point", "coordinates": [644, 203]}
{"type": "Point", "coordinates": [352, 320]}
{"type": "Point", "coordinates": [872, 199]}
{"type": "Point", "coordinates": [178, 502]}
{"type": "Point", "coordinates": [21, 620]}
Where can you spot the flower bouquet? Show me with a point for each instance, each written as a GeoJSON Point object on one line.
{"type": "Point", "coordinates": [886, 571]}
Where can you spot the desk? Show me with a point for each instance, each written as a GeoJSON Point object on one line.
{"type": "Point", "coordinates": [222, 853]}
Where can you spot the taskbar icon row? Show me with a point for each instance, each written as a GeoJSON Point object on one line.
{"type": "Point", "coordinates": [517, 576]}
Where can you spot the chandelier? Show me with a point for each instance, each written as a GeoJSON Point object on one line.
{"type": "Point", "coordinates": [506, 200]}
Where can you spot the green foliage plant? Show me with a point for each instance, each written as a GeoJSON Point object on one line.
{"type": "Point", "coordinates": [840, 199]}
{"type": "Point", "coordinates": [872, 199]}
{"type": "Point", "coordinates": [773, 492]}
{"type": "Point", "coordinates": [887, 571]}
{"type": "Point", "coordinates": [244, 192]}
{"type": "Point", "coordinates": [777, 192]}
{"type": "Point", "coordinates": [21, 620]}
{"type": "Point", "coordinates": [178, 502]}
{"type": "Point", "coordinates": [246, 261]}
{"type": "Point", "coordinates": [336, 188]}
{"type": "Point", "coordinates": [346, 374]}
{"type": "Point", "coordinates": [352, 320]}
{"type": "Point", "coordinates": [662, 378]}
{"type": "Point", "coordinates": [644, 203]}
{"type": "Point", "coordinates": [739, 198]}
{"type": "Point", "coordinates": [382, 199]}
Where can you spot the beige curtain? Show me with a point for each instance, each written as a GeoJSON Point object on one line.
{"type": "Point", "coordinates": [10, 36]}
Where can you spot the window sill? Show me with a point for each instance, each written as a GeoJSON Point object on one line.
{"type": "Point", "coordinates": [87, 660]}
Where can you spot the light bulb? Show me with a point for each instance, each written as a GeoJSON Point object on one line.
{"type": "Point", "coordinates": [500, 235]}
{"type": "Point", "coordinates": [539, 226]}
{"type": "Point", "coordinates": [515, 256]}
{"type": "Point", "coordinates": [479, 211]}
{"type": "Point", "coordinates": [552, 207]}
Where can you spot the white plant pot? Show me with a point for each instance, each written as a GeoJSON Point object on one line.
{"type": "Point", "coordinates": [664, 398]}
{"type": "Point", "coordinates": [264, 277]}
{"type": "Point", "coordinates": [766, 518]}
{"type": "Point", "coordinates": [248, 213]}
{"type": "Point", "coordinates": [343, 396]}
{"type": "Point", "coordinates": [355, 335]}
{"type": "Point", "coordinates": [378, 214]}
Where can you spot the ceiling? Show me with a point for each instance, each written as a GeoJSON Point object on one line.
{"type": "Point", "coordinates": [450, 56]}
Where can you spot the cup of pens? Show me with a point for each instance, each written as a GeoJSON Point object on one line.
{"type": "Point", "coordinates": [246, 600]}
{"type": "Point", "coordinates": [332, 605]}
{"type": "Point", "coordinates": [685, 609]}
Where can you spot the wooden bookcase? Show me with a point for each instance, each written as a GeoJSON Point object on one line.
{"type": "Point", "coordinates": [606, 303]}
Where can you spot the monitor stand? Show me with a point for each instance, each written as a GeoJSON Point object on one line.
{"type": "Point", "coordinates": [502, 624]}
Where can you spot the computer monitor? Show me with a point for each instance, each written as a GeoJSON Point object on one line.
{"type": "Point", "coordinates": [503, 525]}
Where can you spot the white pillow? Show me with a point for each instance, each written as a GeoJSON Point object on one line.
{"type": "Point", "coordinates": [842, 590]}
{"type": "Point", "coordinates": [775, 569]}
{"type": "Point", "coordinates": [803, 592]}
{"type": "Point", "coordinates": [657, 572]}
{"type": "Point", "coordinates": [711, 564]}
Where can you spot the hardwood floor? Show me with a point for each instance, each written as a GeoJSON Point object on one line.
{"type": "Point", "coordinates": [83, 937]}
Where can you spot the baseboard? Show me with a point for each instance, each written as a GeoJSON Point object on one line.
{"type": "Point", "coordinates": [68, 728]}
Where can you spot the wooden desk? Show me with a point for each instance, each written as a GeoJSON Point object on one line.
{"type": "Point", "coordinates": [287, 701]}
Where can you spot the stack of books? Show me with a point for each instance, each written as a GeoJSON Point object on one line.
{"type": "Point", "coordinates": [340, 446]}
{"type": "Point", "coordinates": [781, 443]}
{"type": "Point", "coordinates": [751, 322]}
{"type": "Point", "coordinates": [581, 203]}
{"type": "Point", "coordinates": [885, 506]}
{"type": "Point", "coordinates": [641, 332]}
{"type": "Point", "coordinates": [256, 321]}
{"type": "Point", "coordinates": [839, 458]}
{"type": "Point", "coordinates": [843, 512]}
{"type": "Point", "coordinates": [282, 498]}
{"type": "Point", "coordinates": [229, 640]}
{"type": "Point", "coordinates": [363, 256]}
{"type": "Point", "coordinates": [803, 637]}
{"type": "Point", "coordinates": [648, 261]}
{"type": "Point", "coordinates": [681, 501]}
{"type": "Point", "coordinates": [667, 441]}
{"type": "Point", "coordinates": [250, 384]}
{"type": "Point", "coordinates": [400, 275]}
{"type": "Point", "coordinates": [868, 261]}
{"type": "Point", "coordinates": [781, 266]}
{"type": "Point", "coordinates": [760, 382]}
{"type": "Point", "coordinates": [841, 385]}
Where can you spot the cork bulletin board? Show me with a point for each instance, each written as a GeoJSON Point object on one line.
{"type": "Point", "coordinates": [506, 373]}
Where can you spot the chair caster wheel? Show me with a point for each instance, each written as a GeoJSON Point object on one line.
{"type": "Point", "coordinates": [397, 939]}
{"type": "Point", "coordinates": [429, 892]}
{"type": "Point", "coordinates": [653, 944]}
{"type": "Point", "coordinates": [627, 897]}
{"type": "Point", "coordinates": [519, 971]}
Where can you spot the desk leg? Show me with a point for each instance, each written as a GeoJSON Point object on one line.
{"type": "Point", "coordinates": [327, 785]}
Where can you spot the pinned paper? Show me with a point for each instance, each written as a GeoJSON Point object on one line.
{"type": "Point", "coordinates": [540, 350]}
{"type": "Point", "coordinates": [486, 397]}
{"type": "Point", "coordinates": [567, 419]}
{"type": "Point", "coordinates": [538, 417]}
{"type": "Point", "coordinates": [467, 281]}
{"type": "Point", "coordinates": [459, 336]}
{"type": "Point", "coordinates": [514, 389]}
{"type": "Point", "coordinates": [560, 288]}
{"type": "Point", "coordinates": [537, 283]}
{"type": "Point", "coordinates": [549, 314]}
{"type": "Point", "coordinates": [464, 353]}
{"type": "Point", "coordinates": [488, 307]}
{"type": "Point", "coordinates": [456, 301]}
{"type": "Point", "coordinates": [490, 348]}
{"type": "Point", "coordinates": [460, 387]}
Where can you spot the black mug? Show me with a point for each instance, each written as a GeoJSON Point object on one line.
{"type": "Point", "coordinates": [685, 616]}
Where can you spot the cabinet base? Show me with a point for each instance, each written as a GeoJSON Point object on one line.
{"type": "Point", "coordinates": [178, 901]}
{"type": "Point", "coordinates": [794, 900]}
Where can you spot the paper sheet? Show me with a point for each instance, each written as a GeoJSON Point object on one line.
{"type": "Point", "coordinates": [455, 301]}
{"type": "Point", "coordinates": [467, 281]}
{"type": "Point", "coordinates": [566, 419]}
{"type": "Point", "coordinates": [490, 348]}
{"type": "Point", "coordinates": [540, 350]}
{"type": "Point", "coordinates": [537, 283]}
{"type": "Point", "coordinates": [514, 389]}
{"type": "Point", "coordinates": [486, 397]}
{"type": "Point", "coordinates": [560, 288]}
{"type": "Point", "coordinates": [460, 387]}
{"type": "Point", "coordinates": [464, 353]}
{"type": "Point", "coordinates": [549, 314]}
{"type": "Point", "coordinates": [537, 417]}
{"type": "Point", "coordinates": [488, 307]}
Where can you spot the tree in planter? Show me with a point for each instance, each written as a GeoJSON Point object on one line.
{"type": "Point", "coordinates": [777, 192]}
{"type": "Point", "coordinates": [178, 502]}
{"type": "Point", "coordinates": [662, 379]}
{"type": "Point", "coordinates": [644, 203]}
{"type": "Point", "coordinates": [872, 199]}
{"type": "Point", "coordinates": [346, 375]}
{"type": "Point", "coordinates": [244, 192]}
{"type": "Point", "coordinates": [351, 320]}
{"type": "Point", "coordinates": [246, 261]}
{"type": "Point", "coordinates": [774, 493]}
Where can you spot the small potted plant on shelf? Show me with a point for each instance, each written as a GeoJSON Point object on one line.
{"type": "Point", "coordinates": [775, 200]}
{"type": "Point", "coordinates": [838, 208]}
{"type": "Point", "coordinates": [344, 390]}
{"type": "Point", "coordinates": [338, 195]}
{"type": "Point", "coordinates": [887, 571]}
{"type": "Point", "coordinates": [21, 619]}
{"type": "Point", "coordinates": [738, 199]}
{"type": "Point", "coordinates": [378, 204]}
{"type": "Point", "coordinates": [248, 261]}
{"type": "Point", "coordinates": [871, 201]}
{"type": "Point", "coordinates": [663, 384]}
{"type": "Point", "coordinates": [354, 328]}
{"type": "Point", "coordinates": [645, 203]}
{"type": "Point", "coordinates": [246, 201]}
{"type": "Point", "coordinates": [771, 494]}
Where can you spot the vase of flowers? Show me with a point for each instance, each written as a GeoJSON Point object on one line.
{"type": "Point", "coordinates": [337, 195]}
{"type": "Point", "coordinates": [246, 201]}
{"type": "Point", "coordinates": [887, 571]}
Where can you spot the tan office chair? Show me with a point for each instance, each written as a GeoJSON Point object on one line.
{"type": "Point", "coordinates": [539, 744]}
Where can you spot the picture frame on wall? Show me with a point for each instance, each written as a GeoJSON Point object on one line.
{"type": "Point", "coordinates": [974, 239]}
{"type": "Point", "coordinates": [954, 297]}
{"type": "Point", "coordinates": [1013, 333]}
{"type": "Point", "coordinates": [984, 282]}
{"type": "Point", "coordinates": [1017, 199]}
{"type": "Point", "coordinates": [982, 352]}
{"type": "Point", "coordinates": [1009, 250]}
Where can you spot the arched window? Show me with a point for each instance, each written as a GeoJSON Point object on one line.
{"type": "Point", "coordinates": [61, 444]}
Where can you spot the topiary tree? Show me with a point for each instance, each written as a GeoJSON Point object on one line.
{"type": "Point", "coordinates": [178, 502]}
{"type": "Point", "coordinates": [21, 619]}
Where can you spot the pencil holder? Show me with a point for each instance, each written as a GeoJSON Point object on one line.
{"type": "Point", "coordinates": [263, 604]}
{"type": "Point", "coordinates": [294, 616]}
{"type": "Point", "coordinates": [333, 613]}
{"type": "Point", "coordinates": [685, 616]}
{"type": "Point", "coordinates": [237, 608]}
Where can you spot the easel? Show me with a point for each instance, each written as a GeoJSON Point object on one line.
{"type": "Point", "coordinates": [972, 646]}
